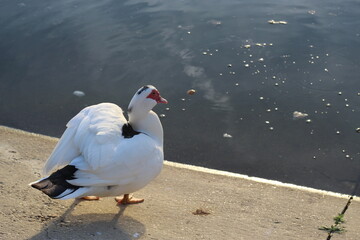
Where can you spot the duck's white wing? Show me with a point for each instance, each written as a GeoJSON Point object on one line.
{"type": "Point", "coordinates": [93, 133]}
{"type": "Point", "coordinates": [65, 150]}
{"type": "Point", "coordinates": [134, 160]}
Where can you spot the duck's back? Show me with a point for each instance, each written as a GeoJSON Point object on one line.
{"type": "Point", "coordinates": [92, 131]}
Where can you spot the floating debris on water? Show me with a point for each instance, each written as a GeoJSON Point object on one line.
{"type": "Point", "coordinates": [191, 91]}
{"type": "Point", "coordinates": [247, 46]}
{"type": "Point", "coordinates": [271, 128]}
{"type": "Point", "coordinates": [357, 130]}
{"type": "Point", "coordinates": [185, 27]}
{"type": "Point", "coordinates": [312, 12]}
{"type": "Point", "coordinates": [162, 115]}
{"type": "Point", "coordinates": [326, 70]}
{"type": "Point", "coordinates": [339, 93]}
{"type": "Point", "coordinates": [246, 65]}
{"type": "Point", "coordinates": [299, 115]}
{"type": "Point", "coordinates": [308, 121]}
{"type": "Point", "coordinates": [229, 65]}
{"type": "Point", "coordinates": [79, 93]}
{"type": "Point", "coordinates": [260, 44]}
{"type": "Point", "coordinates": [215, 22]}
{"type": "Point", "coordinates": [204, 53]}
{"type": "Point", "coordinates": [167, 109]}
{"type": "Point", "coordinates": [226, 135]}
{"type": "Point", "coordinates": [261, 98]}
{"type": "Point", "coordinates": [337, 132]}
{"type": "Point", "coordinates": [260, 59]}
{"type": "Point", "coordinates": [328, 105]}
{"type": "Point", "coordinates": [277, 22]}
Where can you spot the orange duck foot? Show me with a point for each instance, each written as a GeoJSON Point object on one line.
{"type": "Point", "coordinates": [90, 198]}
{"type": "Point", "coordinates": [128, 200]}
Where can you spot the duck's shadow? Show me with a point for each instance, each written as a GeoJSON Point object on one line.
{"type": "Point", "coordinates": [93, 226]}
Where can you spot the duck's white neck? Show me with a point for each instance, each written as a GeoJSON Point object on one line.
{"type": "Point", "coordinates": [149, 124]}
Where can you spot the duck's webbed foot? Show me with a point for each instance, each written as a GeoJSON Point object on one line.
{"type": "Point", "coordinates": [128, 200]}
{"type": "Point", "coordinates": [90, 198]}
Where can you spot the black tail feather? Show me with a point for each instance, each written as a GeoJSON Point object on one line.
{"type": "Point", "coordinates": [56, 183]}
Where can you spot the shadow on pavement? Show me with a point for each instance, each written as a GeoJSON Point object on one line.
{"type": "Point", "coordinates": [93, 226]}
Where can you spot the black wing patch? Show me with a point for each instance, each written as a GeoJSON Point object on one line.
{"type": "Point", "coordinates": [56, 183]}
{"type": "Point", "coordinates": [128, 131]}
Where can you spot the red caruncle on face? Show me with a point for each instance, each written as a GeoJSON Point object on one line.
{"type": "Point", "coordinates": [155, 95]}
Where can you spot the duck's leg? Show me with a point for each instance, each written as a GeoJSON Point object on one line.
{"type": "Point", "coordinates": [89, 198]}
{"type": "Point", "coordinates": [128, 200]}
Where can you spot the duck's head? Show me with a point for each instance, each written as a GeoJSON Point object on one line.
{"type": "Point", "coordinates": [144, 100]}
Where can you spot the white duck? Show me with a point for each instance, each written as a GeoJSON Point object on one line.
{"type": "Point", "coordinates": [102, 154]}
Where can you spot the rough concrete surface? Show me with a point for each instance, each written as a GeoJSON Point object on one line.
{"type": "Point", "coordinates": [226, 207]}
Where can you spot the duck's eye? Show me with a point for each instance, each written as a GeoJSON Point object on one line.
{"type": "Point", "coordinates": [153, 93]}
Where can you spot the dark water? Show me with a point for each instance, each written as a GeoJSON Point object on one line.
{"type": "Point", "coordinates": [108, 49]}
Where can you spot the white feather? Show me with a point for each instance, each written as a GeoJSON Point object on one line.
{"type": "Point", "coordinates": [66, 192]}
{"type": "Point", "coordinates": [78, 193]}
{"type": "Point", "coordinates": [92, 132]}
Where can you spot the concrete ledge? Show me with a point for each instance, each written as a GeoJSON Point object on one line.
{"type": "Point", "coordinates": [257, 179]}
{"type": "Point", "coordinates": [226, 205]}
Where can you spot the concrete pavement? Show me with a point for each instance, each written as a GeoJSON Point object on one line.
{"type": "Point", "coordinates": [184, 202]}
